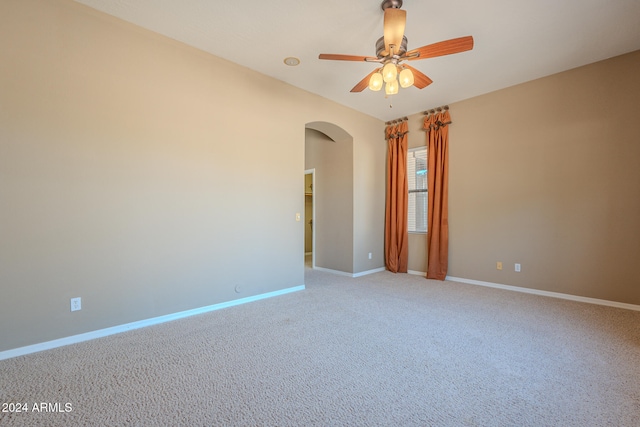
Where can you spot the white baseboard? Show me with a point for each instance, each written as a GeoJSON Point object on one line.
{"type": "Point", "coordinates": [352, 275]}
{"type": "Point", "coordinates": [537, 292]}
{"type": "Point", "coordinates": [21, 351]}
{"type": "Point", "coordinates": [546, 293]}
{"type": "Point", "coordinates": [417, 273]}
{"type": "Point", "coordinates": [338, 272]}
{"type": "Point", "coordinates": [365, 273]}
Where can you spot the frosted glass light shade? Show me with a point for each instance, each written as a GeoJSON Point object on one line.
{"type": "Point", "coordinates": [391, 88]}
{"type": "Point", "coordinates": [406, 78]}
{"type": "Point", "coordinates": [375, 82]}
{"type": "Point", "coordinates": [389, 72]}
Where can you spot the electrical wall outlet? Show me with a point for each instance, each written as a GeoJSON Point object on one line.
{"type": "Point", "coordinates": [369, 255]}
{"type": "Point", "coordinates": [498, 265]}
{"type": "Point", "coordinates": [518, 267]}
{"type": "Point", "coordinates": [76, 304]}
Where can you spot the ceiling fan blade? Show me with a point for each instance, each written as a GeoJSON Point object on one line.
{"type": "Point", "coordinates": [447, 47]}
{"type": "Point", "coordinates": [362, 84]}
{"type": "Point", "coordinates": [420, 80]}
{"type": "Point", "coordinates": [334, 57]}
{"type": "Point", "coordinates": [394, 23]}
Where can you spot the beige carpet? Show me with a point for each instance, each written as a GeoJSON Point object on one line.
{"type": "Point", "coordinates": [384, 349]}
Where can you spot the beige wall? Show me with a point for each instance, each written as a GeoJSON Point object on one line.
{"type": "Point", "coordinates": [547, 174]}
{"type": "Point", "coordinates": [130, 177]}
{"type": "Point", "coordinates": [333, 196]}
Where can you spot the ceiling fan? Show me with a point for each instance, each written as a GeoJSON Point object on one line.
{"type": "Point", "coordinates": [391, 52]}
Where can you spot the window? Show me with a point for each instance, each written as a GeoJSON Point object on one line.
{"type": "Point", "coordinates": [417, 176]}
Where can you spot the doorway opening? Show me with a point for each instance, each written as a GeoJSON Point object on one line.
{"type": "Point", "coordinates": [309, 215]}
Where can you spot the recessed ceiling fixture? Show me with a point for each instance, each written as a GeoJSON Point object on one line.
{"type": "Point", "coordinates": [291, 61]}
{"type": "Point", "coordinates": [391, 51]}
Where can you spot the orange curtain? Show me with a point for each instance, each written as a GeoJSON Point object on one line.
{"type": "Point", "coordinates": [437, 127]}
{"type": "Point", "coordinates": [396, 233]}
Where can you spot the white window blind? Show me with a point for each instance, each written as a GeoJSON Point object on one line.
{"type": "Point", "coordinates": [417, 177]}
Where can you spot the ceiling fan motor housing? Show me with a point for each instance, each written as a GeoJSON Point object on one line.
{"type": "Point", "coordinates": [397, 50]}
{"type": "Point", "coordinates": [395, 4]}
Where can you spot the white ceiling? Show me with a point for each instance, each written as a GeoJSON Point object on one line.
{"type": "Point", "coordinates": [515, 41]}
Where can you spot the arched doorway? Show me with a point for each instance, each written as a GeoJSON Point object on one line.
{"type": "Point", "coordinates": [329, 153]}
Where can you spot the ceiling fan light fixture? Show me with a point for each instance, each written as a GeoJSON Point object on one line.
{"type": "Point", "coordinates": [391, 88]}
{"type": "Point", "coordinates": [406, 78]}
{"type": "Point", "coordinates": [389, 72]}
{"type": "Point", "coordinates": [391, 52]}
{"type": "Point", "coordinates": [375, 82]}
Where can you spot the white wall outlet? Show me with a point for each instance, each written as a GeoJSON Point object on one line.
{"type": "Point", "coordinates": [76, 304]}
{"type": "Point", "coordinates": [369, 255]}
{"type": "Point", "coordinates": [518, 268]}
{"type": "Point", "coordinates": [297, 216]}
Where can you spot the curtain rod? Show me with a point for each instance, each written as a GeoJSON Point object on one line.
{"type": "Point", "coordinates": [400, 120]}
{"type": "Point", "coordinates": [436, 110]}
{"type": "Point", "coordinates": [425, 112]}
